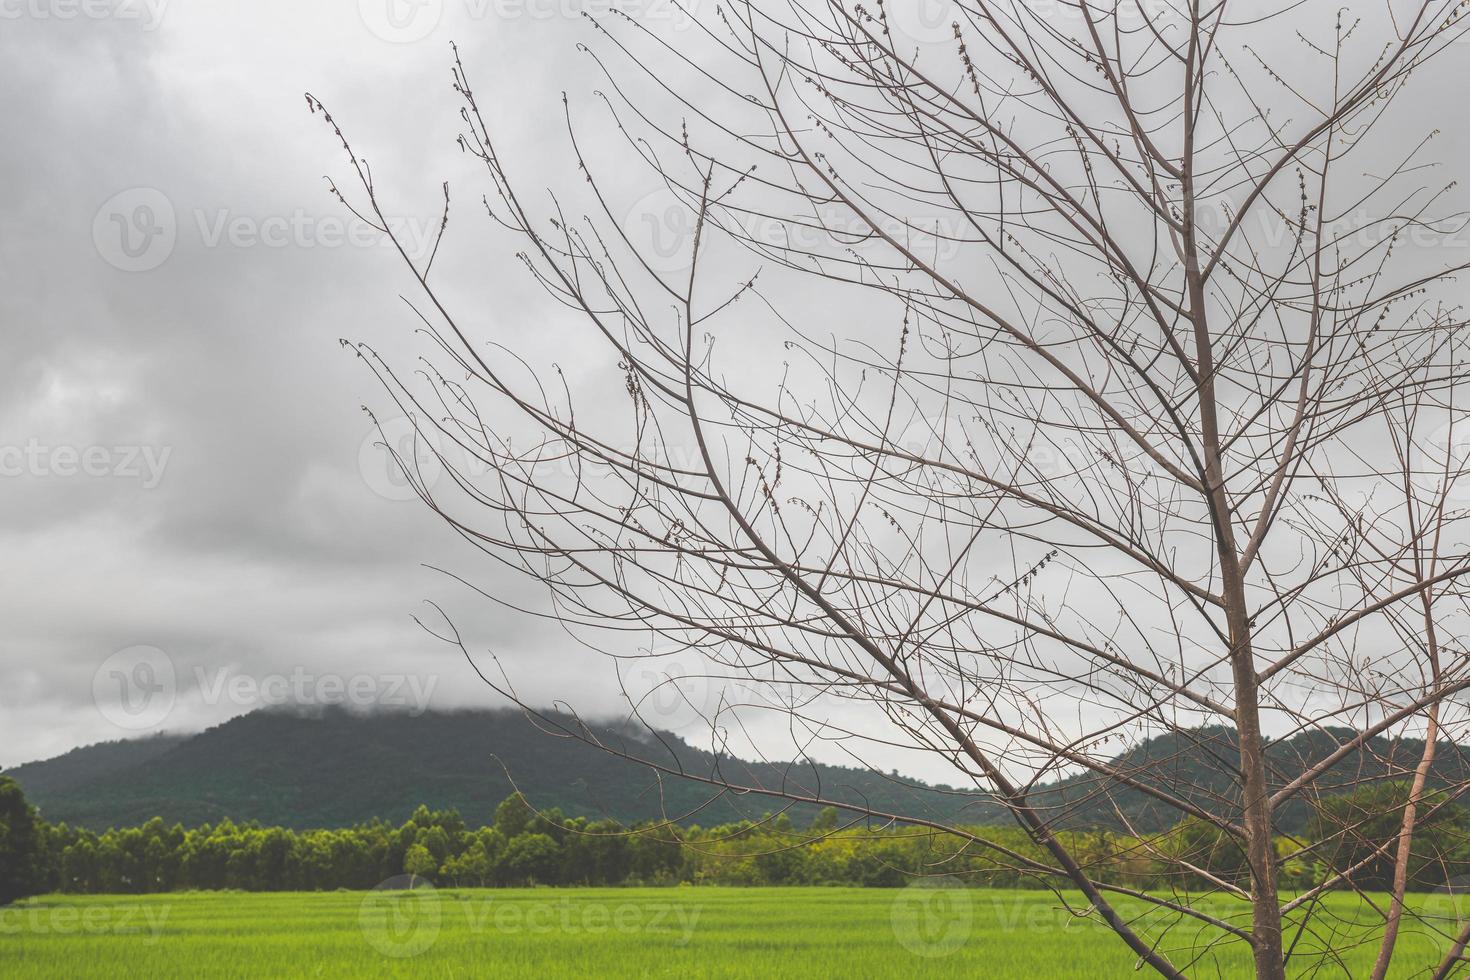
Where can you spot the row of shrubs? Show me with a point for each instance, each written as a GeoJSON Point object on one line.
{"type": "Point", "coordinates": [521, 846]}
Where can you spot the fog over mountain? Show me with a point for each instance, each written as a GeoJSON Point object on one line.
{"type": "Point", "coordinates": [186, 463]}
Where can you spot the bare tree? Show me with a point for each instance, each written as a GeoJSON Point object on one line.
{"type": "Point", "coordinates": [1084, 376]}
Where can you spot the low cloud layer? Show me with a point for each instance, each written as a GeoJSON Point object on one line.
{"type": "Point", "coordinates": [184, 463]}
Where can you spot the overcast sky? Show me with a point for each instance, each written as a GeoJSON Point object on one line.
{"type": "Point", "coordinates": [197, 516]}
{"type": "Point", "coordinates": [190, 495]}
{"type": "Point", "coordinates": [187, 468]}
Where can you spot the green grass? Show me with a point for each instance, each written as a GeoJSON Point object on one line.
{"type": "Point", "coordinates": [643, 932]}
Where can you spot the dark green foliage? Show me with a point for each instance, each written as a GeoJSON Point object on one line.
{"type": "Point", "coordinates": [23, 862]}
{"type": "Point", "coordinates": [1201, 765]}
{"type": "Point", "coordinates": [337, 769]}
{"type": "Point", "coordinates": [1363, 826]}
{"type": "Point", "coordinates": [608, 822]}
{"type": "Point", "coordinates": [527, 847]}
{"type": "Point", "coordinates": [531, 859]}
{"type": "Point", "coordinates": [1215, 853]}
{"type": "Point", "coordinates": [512, 816]}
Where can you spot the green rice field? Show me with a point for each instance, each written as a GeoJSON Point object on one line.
{"type": "Point", "coordinates": [638, 932]}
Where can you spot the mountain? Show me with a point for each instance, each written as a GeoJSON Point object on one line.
{"type": "Point", "coordinates": [76, 769]}
{"type": "Point", "coordinates": [1201, 765]}
{"type": "Point", "coordinates": [336, 768]}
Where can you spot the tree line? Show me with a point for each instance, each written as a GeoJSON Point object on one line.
{"type": "Point", "coordinates": [522, 846]}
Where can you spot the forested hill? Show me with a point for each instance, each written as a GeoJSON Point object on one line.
{"type": "Point", "coordinates": [335, 768]}
{"type": "Point", "coordinates": [1205, 760]}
